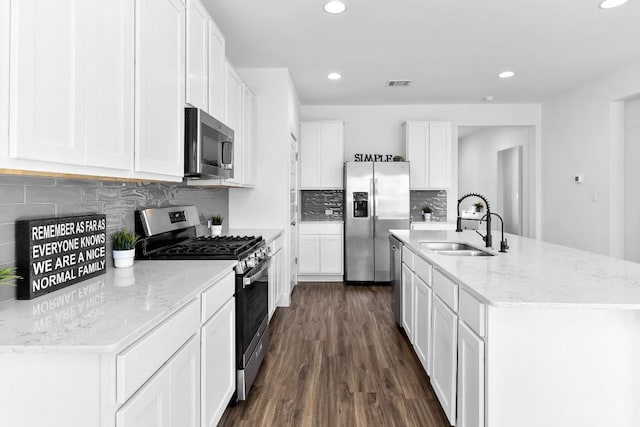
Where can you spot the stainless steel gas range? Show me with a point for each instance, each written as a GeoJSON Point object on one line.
{"type": "Point", "coordinates": [170, 234]}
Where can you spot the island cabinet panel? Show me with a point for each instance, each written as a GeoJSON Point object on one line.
{"type": "Point", "coordinates": [445, 353]}
{"type": "Point", "coordinates": [470, 378]}
{"type": "Point", "coordinates": [422, 328]}
{"type": "Point", "coordinates": [160, 87]}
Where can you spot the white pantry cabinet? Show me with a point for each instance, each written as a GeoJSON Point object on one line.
{"type": "Point", "coordinates": [321, 155]}
{"type": "Point", "coordinates": [171, 397]}
{"type": "Point", "coordinates": [320, 253]}
{"type": "Point", "coordinates": [71, 83]}
{"type": "Point", "coordinates": [428, 148]}
{"type": "Point", "coordinates": [197, 63]}
{"type": "Point", "coordinates": [160, 86]}
{"type": "Point", "coordinates": [217, 72]}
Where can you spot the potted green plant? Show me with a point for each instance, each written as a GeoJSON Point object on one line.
{"type": "Point", "coordinates": [478, 206]}
{"type": "Point", "coordinates": [124, 247]}
{"type": "Point", "coordinates": [216, 225]}
{"type": "Point", "coordinates": [7, 276]}
{"type": "Point", "coordinates": [398, 158]}
{"type": "Point", "coordinates": [426, 212]}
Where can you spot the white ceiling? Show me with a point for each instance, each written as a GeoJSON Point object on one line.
{"type": "Point", "coordinates": [451, 49]}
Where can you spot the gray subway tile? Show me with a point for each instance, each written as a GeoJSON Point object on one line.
{"type": "Point", "coordinates": [10, 213]}
{"type": "Point", "coordinates": [26, 180]}
{"type": "Point", "coordinates": [53, 194]}
{"type": "Point", "coordinates": [7, 253]}
{"type": "Point", "coordinates": [11, 194]}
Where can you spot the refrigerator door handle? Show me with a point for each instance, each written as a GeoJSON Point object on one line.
{"type": "Point", "coordinates": [375, 197]}
{"type": "Point", "coordinates": [372, 207]}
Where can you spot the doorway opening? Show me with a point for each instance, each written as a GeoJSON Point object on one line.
{"type": "Point", "coordinates": [495, 161]}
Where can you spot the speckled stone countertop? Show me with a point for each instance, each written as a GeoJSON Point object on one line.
{"type": "Point", "coordinates": [534, 273]}
{"type": "Point", "coordinates": [109, 312]}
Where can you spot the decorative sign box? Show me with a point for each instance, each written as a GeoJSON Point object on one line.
{"type": "Point", "coordinates": [54, 253]}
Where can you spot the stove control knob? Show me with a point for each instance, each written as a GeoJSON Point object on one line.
{"type": "Point", "coordinates": [251, 262]}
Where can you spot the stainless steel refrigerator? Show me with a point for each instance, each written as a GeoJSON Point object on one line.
{"type": "Point", "coordinates": [376, 200]}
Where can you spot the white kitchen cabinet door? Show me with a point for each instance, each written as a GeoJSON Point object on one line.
{"type": "Point", "coordinates": [408, 307]}
{"type": "Point", "coordinates": [309, 254]}
{"type": "Point", "coordinates": [470, 378]}
{"type": "Point", "coordinates": [171, 397]}
{"type": "Point", "coordinates": [428, 148]}
{"type": "Point", "coordinates": [160, 85]}
{"type": "Point", "coordinates": [234, 121]}
{"type": "Point", "coordinates": [249, 123]}
{"type": "Point", "coordinates": [110, 85]}
{"type": "Point", "coordinates": [422, 327]}
{"type": "Point", "coordinates": [445, 345]}
{"type": "Point", "coordinates": [310, 155]}
{"type": "Point", "coordinates": [197, 76]}
{"type": "Point", "coordinates": [217, 72]}
{"type": "Point", "coordinates": [331, 254]}
{"type": "Point", "coordinates": [48, 80]}
{"type": "Point", "coordinates": [218, 374]}
{"type": "Point", "coordinates": [71, 82]}
{"type": "Point", "coordinates": [332, 155]}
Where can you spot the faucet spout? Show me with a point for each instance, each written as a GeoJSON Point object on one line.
{"type": "Point", "coordinates": [487, 238]}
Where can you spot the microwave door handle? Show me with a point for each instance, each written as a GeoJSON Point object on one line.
{"type": "Point", "coordinates": [230, 162]}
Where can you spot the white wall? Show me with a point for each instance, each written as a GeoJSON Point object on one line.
{"type": "Point", "coordinates": [580, 131]}
{"type": "Point", "coordinates": [478, 164]}
{"type": "Point", "coordinates": [378, 129]}
{"type": "Point", "coordinates": [632, 180]}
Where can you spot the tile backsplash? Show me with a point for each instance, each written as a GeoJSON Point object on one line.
{"type": "Point", "coordinates": [437, 199]}
{"type": "Point", "coordinates": [23, 197]}
{"type": "Point", "coordinates": [314, 205]}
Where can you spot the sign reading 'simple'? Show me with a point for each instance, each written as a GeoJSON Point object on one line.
{"type": "Point", "coordinates": [57, 252]}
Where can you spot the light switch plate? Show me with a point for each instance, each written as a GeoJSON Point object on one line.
{"type": "Point", "coordinates": [328, 211]}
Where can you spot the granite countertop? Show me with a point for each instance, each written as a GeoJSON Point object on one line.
{"type": "Point", "coordinates": [109, 312]}
{"type": "Point", "coordinates": [534, 273]}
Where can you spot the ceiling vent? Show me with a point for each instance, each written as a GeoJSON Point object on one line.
{"type": "Point", "coordinates": [393, 83]}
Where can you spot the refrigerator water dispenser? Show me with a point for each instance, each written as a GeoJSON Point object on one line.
{"type": "Point", "coordinates": [360, 205]}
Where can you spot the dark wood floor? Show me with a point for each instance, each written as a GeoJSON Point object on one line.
{"type": "Point", "coordinates": [336, 358]}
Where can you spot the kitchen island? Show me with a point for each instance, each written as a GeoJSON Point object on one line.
{"type": "Point", "coordinates": [540, 335]}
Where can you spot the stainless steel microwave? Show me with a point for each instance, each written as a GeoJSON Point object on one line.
{"type": "Point", "coordinates": [208, 146]}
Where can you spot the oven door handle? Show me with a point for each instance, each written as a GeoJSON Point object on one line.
{"type": "Point", "coordinates": [248, 281]}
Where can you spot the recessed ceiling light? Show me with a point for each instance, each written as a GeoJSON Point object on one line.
{"type": "Point", "coordinates": [506, 74]}
{"type": "Point", "coordinates": [335, 7]}
{"type": "Point", "coordinates": [334, 76]}
{"type": "Point", "coordinates": [488, 98]}
{"type": "Point", "coordinates": [610, 4]}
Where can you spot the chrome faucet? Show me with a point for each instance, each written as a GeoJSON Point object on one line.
{"type": "Point", "coordinates": [487, 237]}
{"type": "Point", "coordinates": [503, 242]}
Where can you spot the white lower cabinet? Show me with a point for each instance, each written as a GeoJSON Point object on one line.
{"type": "Point", "coordinates": [470, 378]}
{"type": "Point", "coordinates": [422, 326]}
{"type": "Point", "coordinates": [320, 250]}
{"type": "Point", "coordinates": [218, 363]}
{"type": "Point", "coordinates": [408, 301]}
{"type": "Point", "coordinates": [170, 397]}
{"type": "Point", "coordinates": [309, 254]}
{"type": "Point", "coordinates": [277, 276]}
{"type": "Point", "coordinates": [445, 352]}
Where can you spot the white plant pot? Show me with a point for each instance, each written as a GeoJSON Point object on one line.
{"type": "Point", "coordinates": [427, 217]}
{"type": "Point", "coordinates": [122, 259]}
{"type": "Point", "coordinates": [216, 230]}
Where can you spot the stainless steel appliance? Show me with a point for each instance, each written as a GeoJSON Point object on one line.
{"type": "Point", "coordinates": [395, 264]}
{"type": "Point", "coordinates": [208, 146]}
{"type": "Point", "coordinates": [376, 201]}
{"type": "Point", "coordinates": [170, 233]}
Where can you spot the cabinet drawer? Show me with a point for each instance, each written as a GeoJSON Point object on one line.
{"type": "Point", "coordinates": [215, 297]}
{"type": "Point", "coordinates": [136, 364]}
{"type": "Point", "coordinates": [422, 269]}
{"type": "Point", "coordinates": [445, 289]}
{"type": "Point", "coordinates": [407, 257]}
{"type": "Point", "coordinates": [471, 312]}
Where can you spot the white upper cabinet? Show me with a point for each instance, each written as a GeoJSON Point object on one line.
{"type": "Point", "coordinates": [249, 162]}
{"type": "Point", "coordinates": [71, 84]}
{"type": "Point", "coordinates": [234, 120]}
{"type": "Point", "coordinates": [217, 72]}
{"type": "Point", "coordinates": [321, 155]}
{"type": "Point", "coordinates": [197, 76]}
{"type": "Point", "coordinates": [428, 148]}
{"type": "Point", "coordinates": [160, 67]}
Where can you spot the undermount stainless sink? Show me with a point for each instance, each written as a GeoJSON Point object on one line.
{"type": "Point", "coordinates": [455, 249]}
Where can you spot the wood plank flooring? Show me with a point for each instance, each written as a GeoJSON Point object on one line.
{"type": "Point", "coordinates": [336, 358]}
